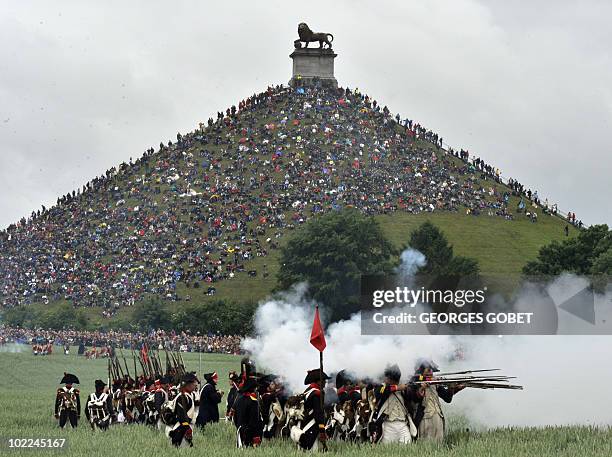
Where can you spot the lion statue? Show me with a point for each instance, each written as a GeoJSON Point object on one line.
{"type": "Point", "coordinates": [308, 36]}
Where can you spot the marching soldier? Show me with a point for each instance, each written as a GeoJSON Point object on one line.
{"type": "Point", "coordinates": [99, 407]}
{"type": "Point", "coordinates": [428, 415]}
{"type": "Point", "coordinates": [247, 415]}
{"type": "Point", "coordinates": [68, 401]}
{"type": "Point", "coordinates": [181, 434]}
{"type": "Point", "coordinates": [393, 420]}
{"type": "Point", "coordinates": [312, 426]}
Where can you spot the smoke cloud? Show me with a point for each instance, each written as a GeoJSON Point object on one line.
{"type": "Point", "coordinates": [565, 378]}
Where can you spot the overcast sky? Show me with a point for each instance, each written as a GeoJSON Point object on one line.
{"type": "Point", "coordinates": [85, 85]}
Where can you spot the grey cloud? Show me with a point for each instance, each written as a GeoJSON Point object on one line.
{"type": "Point", "coordinates": [87, 85]}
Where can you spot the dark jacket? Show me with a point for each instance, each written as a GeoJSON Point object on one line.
{"type": "Point", "coordinates": [247, 418]}
{"type": "Point", "coordinates": [231, 398]}
{"type": "Point", "coordinates": [209, 405]}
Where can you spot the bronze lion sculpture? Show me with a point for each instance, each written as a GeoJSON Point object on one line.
{"type": "Point", "coordinates": [308, 36]}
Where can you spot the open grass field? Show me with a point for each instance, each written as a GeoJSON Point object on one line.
{"type": "Point", "coordinates": [28, 387]}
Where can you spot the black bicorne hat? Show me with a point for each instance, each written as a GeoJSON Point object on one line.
{"type": "Point", "coordinates": [100, 384]}
{"type": "Point", "coordinates": [315, 376]}
{"type": "Point", "coordinates": [69, 379]}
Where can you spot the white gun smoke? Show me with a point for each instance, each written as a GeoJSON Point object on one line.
{"type": "Point", "coordinates": [566, 378]}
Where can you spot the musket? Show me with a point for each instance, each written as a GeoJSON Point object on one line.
{"type": "Point", "coordinates": [483, 384]}
{"type": "Point", "coordinates": [473, 378]}
{"type": "Point", "coordinates": [468, 371]}
{"type": "Point", "coordinates": [142, 365]}
{"type": "Point", "coordinates": [182, 362]}
{"type": "Point", "coordinates": [118, 366]}
{"type": "Point", "coordinates": [159, 364]}
{"type": "Point", "coordinates": [167, 361]}
{"type": "Point", "coordinates": [135, 371]}
{"type": "Point", "coordinates": [156, 366]}
{"type": "Point", "coordinates": [456, 381]}
{"type": "Point", "coordinates": [109, 373]}
{"type": "Point", "coordinates": [174, 362]}
{"type": "Point", "coordinates": [150, 363]}
{"type": "Point", "coordinates": [125, 362]}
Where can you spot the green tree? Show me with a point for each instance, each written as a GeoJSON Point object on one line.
{"type": "Point", "coordinates": [218, 316]}
{"type": "Point", "coordinates": [152, 314]}
{"type": "Point", "coordinates": [441, 261]}
{"type": "Point", "coordinates": [584, 254]}
{"type": "Point", "coordinates": [331, 253]}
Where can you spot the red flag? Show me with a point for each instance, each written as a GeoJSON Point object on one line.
{"type": "Point", "coordinates": [317, 336]}
{"type": "Point", "coordinates": [145, 353]}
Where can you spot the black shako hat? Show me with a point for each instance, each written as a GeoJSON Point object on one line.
{"type": "Point", "coordinates": [423, 363]}
{"type": "Point", "coordinates": [343, 378]}
{"type": "Point", "coordinates": [393, 372]}
{"type": "Point", "coordinates": [314, 376]}
{"type": "Point", "coordinates": [188, 378]}
{"type": "Point", "coordinates": [69, 379]}
{"type": "Point", "coordinates": [99, 384]}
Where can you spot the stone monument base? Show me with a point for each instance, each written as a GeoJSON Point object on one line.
{"type": "Point", "coordinates": [313, 66]}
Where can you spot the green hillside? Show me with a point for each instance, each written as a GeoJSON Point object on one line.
{"type": "Point", "coordinates": [218, 203]}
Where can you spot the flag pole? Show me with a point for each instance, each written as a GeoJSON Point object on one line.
{"type": "Point", "coordinates": [317, 339]}
{"type": "Point", "coordinates": [321, 383]}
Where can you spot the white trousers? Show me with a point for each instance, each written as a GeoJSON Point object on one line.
{"type": "Point", "coordinates": [395, 432]}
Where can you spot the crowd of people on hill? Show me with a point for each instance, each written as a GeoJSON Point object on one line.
{"type": "Point", "coordinates": [102, 343]}
{"type": "Point", "coordinates": [198, 210]}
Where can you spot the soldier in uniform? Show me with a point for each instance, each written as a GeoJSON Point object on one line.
{"type": "Point", "coordinates": [428, 415]}
{"type": "Point", "coordinates": [181, 434]}
{"type": "Point", "coordinates": [247, 415]}
{"type": "Point", "coordinates": [234, 379]}
{"type": "Point", "coordinates": [272, 399]}
{"type": "Point", "coordinates": [312, 426]}
{"type": "Point", "coordinates": [99, 407]}
{"type": "Point", "coordinates": [160, 397]}
{"type": "Point", "coordinates": [210, 398]}
{"type": "Point", "coordinates": [132, 402]}
{"type": "Point", "coordinates": [393, 420]}
{"type": "Point", "coordinates": [348, 388]}
{"type": "Point", "coordinates": [118, 396]}
{"type": "Point", "coordinates": [68, 401]}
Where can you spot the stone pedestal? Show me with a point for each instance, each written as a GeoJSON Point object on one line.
{"type": "Point", "coordinates": [313, 66]}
